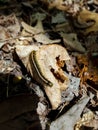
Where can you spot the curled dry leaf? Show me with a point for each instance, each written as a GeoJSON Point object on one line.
{"type": "Point", "coordinates": [71, 41]}
{"type": "Point", "coordinates": [87, 22]}
{"type": "Point", "coordinates": [45, 65]}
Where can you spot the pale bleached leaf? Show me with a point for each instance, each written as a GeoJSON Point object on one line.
{"type": "Point", "coordinates": [69, 119]}
{"type": "Point", "coordinates": [33, 30]}
{"type": "Point", "coordinates": [42, 38]}
{"type": "Point", "coordinates": [39, 33]}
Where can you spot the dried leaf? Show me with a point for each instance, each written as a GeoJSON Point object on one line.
{"type": "Point", "coordinates": [42, 38]}
{"type": "Point", "coordinates": [39, 33]}
{"type": "Point", "coordinates": [63, 27]}
{"type": "Point", "coordinates": [69, 119]}
{"type": "Point", "coordinates": [45, 66]}
{"type": "Point", "coordinates": [86, 118]}
{"type": "Point", "coordinates": [27, 4]}
{"type": "Point", "coordinates": [33, 30]}
{"type": "Point", "coordinates": [69, 6]}
{"type": "Point", "coordinates": [38, 16]}
{"type": "Point", "coordinates": [4, 33]}
{"type": "Point", "coordinates": [87, 22]}
{"type": "Point", "coordinates": [90, 70]}
{"type": "Point", "coordinates": [72, 41]}
{"type": "Point", "coordinates": [92, 124]}
{"type": "Point", "coordinates": [58, 18]}
{"type": "Point", "coordinates": [42, 111]}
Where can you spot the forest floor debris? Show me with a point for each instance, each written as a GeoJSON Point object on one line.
{"type": "Point", "coordinates": [49, 49]}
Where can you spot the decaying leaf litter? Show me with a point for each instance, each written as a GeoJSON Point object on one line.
{"type": "Point", "coordinates": [49, 59]}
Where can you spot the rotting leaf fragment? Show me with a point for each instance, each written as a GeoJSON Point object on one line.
{"type": "Point", "coordinates": [86, 22]}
